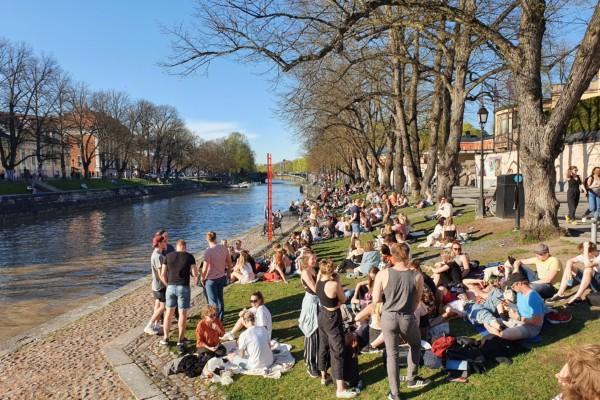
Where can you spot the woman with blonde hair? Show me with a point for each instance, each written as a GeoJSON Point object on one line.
{"type": "Point", "coordinates": [573, 186]}
{"type": "Point", "coordinates": [579, 378]}
{"type": "Point", "coordinates": [242, 270]}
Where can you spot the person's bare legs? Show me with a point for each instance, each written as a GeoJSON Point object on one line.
{"type": "Point", "coordinates": [586, 279]}
{"type": "Point", "coordinates": [183, 312]}
{"type": "Point", "coordinates": [508, 333]}
{"type": "Point", "coordinates": [566, 276]}
{"type": "Point", "coordinates": [281, 273]}
{"type": "Point", "coordinates": [159, 308]}
{"type": "Point", "coordinates": [168, 319]}
{"type": "Point", "coordinates": [436, 279]}
{"type": "Point", "coordinates": [239, 324]}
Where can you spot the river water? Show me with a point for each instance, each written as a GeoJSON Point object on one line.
{"type": "Point", "coordinates": [52, 265]}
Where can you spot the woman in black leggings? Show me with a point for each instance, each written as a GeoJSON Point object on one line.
{"type": "Point", "coordinates": [573, 184]}
{"type": "Point", "coordinates": [331, 330]}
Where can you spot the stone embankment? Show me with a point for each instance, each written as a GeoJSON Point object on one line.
{"type": "Point", "coordinates": [14, 207]}
{"type": "Point", "coordinates": [67, 362]}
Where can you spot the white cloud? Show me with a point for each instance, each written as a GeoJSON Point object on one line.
{"type": "Point", "coordinates": [210, 130]}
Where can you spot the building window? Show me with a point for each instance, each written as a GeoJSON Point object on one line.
{"type": "Point", "coordinates": [504, 124]}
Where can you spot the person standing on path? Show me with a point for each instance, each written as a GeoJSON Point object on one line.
{"type": "Point", "coordinates": [402, 288]}
{"type": "Point", "coordinates": [592, 185]}
{"type": "Point", "coordinates": [573, 186]}
{"type": "Point", "coordinates": [216, 268]}
{"type": "Point", "coordinates": [168, 247]}
{"type": "Point", "coordinates": [331, 330]}
{"type": "Point", "coordinates": [175, 274]}
{"type": "Point", "coordinates": [158, 287]}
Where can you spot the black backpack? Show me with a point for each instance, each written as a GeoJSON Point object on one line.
{"type": "Point", "coordinates": [467, 349]}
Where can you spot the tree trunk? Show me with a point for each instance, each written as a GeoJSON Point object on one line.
{"type": "Point", "coordinates": [399, 176]}
{"type": "Point", "coordinates": [388, 165]}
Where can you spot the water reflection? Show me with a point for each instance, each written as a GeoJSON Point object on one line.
{"type": "Point", "coordinates": [85, 254]}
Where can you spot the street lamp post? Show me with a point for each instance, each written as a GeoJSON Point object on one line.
{"type": "Point", "coordinates": [483, 115]}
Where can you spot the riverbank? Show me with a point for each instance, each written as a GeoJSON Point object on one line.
{"type": "Point", "coordinates": [63, 358]}
{"type": "Point", "coordinates": [20, 207]}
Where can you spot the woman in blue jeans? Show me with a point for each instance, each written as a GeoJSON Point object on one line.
{"type": "Point", "coordinates": [592, 184]}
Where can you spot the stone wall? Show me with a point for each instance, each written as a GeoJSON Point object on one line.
{"type": "Point", "coordinates": [22, 206]}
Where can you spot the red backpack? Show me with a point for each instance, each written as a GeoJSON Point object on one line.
{"type": "Point", "coordinates": [439, 347]}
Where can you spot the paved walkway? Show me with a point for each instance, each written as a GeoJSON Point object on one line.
{"type": "Point", "coordinates": [68, 363]}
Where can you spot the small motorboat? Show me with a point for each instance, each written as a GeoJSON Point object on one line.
{"type": "Point", "coordinates": [242, 185]}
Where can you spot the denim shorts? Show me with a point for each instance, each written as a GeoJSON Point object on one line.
{"type": "Point", "coordinates": [178, 296]}
{"type": "Point", "coordinates": [355, 227]}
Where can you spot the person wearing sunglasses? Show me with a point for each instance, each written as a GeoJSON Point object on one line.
{"type": "Point", "coordinates": [262, 317]}
{"type": "Point", "coordinates": [462, 260]}
{"type": "Point", "coordinates": [208, 333]}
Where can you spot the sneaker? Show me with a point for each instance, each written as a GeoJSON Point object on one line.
{"type": "Point", "coordinates": [164, 342]}
{"type": "Point", "coordinates": [345, 394]}
{"type": "Point", "coordinates": [368, 349]}
{"type": "Point", "coordinates": [312, 374]}
{"type": "Point", "coordinates": [228, 337]}
{"type": "Point", "coordinates": [390, 396]}
{"type": "Point", "coordinates": [418, 382]}
{"type": "Point", "coordinates": [181, 347]}
{"type": "Point", "coordinates": [325, 381]}
{"type": "Point", "coordinates": [567, 218]}
{"type": "Point", "coordinates": [561, 317]}
{"type": "Point", "coordinates": [149, 330]}
{"type": "Point", "coordinates": [556, 297]}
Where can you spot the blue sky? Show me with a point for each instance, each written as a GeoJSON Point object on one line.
{"type": "Point", "coordinates": [113, 44]}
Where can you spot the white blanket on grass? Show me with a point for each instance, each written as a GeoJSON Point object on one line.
{"type": "Point", "coordinates": [283, 362]}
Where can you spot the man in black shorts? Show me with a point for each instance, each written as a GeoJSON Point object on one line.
{"type": "Point", "coordinates": [159, 243]}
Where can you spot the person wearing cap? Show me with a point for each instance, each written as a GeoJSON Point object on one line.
{"type": "Point", "coordinates": [159, 244]}
{"type": "Point", "coordinates": [542, 271]}
{"type": "Point", "coordinates": [527, 318]}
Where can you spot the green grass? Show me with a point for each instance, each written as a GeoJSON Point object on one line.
{"type": "Point", "coordinates": [7, 188]}
{"type": "Point", "coordinates": [531, 376]}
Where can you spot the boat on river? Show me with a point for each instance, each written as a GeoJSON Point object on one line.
{"type": "Point", "coordinates": [243, 185]}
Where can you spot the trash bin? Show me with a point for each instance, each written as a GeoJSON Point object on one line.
{"type": "Point", "coordinates": [506, 190]}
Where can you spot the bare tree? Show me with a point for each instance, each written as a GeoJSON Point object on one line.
{"type": "Point", "coordinates": [16, 98]}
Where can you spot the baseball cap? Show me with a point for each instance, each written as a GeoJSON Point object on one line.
{"type": "Point", "coordinates": [541, 249]}
{"type": "Point", "coordinates": [515, 278]}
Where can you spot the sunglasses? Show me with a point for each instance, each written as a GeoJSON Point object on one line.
{"type": "Point", "coordinates": [253, 300]}
{"type": "Point", "coordinates": [456, 248]}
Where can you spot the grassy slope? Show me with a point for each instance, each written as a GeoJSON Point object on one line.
{"type": "Point", "coordinates": [13, 188]}
{"type": "Point", "coordinates": [531, 376]}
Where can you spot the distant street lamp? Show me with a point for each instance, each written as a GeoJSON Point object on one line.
{"type": "Point", "coordinates": [483, 116]}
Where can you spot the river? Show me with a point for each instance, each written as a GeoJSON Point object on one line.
{"type": "Point", "coordinates": [51, 265]}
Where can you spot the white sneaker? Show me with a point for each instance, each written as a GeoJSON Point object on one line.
{"type": "Point", "coordinates": [228, 337]}
{"type": "Point", "coordinates": [149, 330]}
{"type": "Point", "coordinates": [345, 394]}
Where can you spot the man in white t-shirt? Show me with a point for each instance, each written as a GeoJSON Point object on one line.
{"type": "Point", "coordinates": [587, 272]}
{"type": "Point", "coordinates": [254, 347]}
{"type": "Point", "coordinates": [261, 313]}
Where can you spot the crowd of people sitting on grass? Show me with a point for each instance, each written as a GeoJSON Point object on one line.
{"type": "Point", "coordinates": [397, 304]}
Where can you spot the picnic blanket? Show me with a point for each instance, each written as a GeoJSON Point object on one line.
{"type": "Point", "coordinates": [220, 369]}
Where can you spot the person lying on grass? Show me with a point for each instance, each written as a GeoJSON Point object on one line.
{"type": "Point", "coordinates": [585, 269]}
{"type": "Point", "coordinates": [525, 318]}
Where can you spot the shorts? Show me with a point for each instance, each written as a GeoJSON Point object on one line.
{"type": "Point", "coordinates": [594, 284]}
{"type": "Point", "coordinates": [525, 330]}
{"type": "Point", "coordinates": [160, 295]}
{"type": "Point", "coordinates": [178, 296]}
{"type": "Point", "coordinates": [356, 227]}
